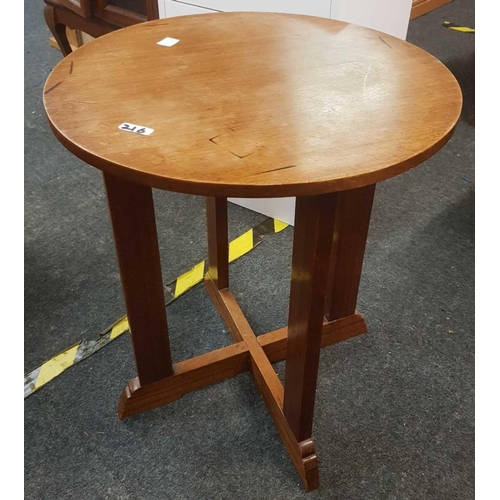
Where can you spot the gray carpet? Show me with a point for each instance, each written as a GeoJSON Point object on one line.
{"type": "Point", "coordinates": [395, 408]}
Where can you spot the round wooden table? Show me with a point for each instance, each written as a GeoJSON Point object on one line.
{"type": "Point", "coordinates": [250, 105]}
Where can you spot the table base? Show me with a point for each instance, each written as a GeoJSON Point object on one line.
{"type": "Point", "coordinates": [328, 246]}
{"type": "Point", "coordinates": [248, 353]}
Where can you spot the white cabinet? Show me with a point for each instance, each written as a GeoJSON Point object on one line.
{"type": "Point", "coordinates": [388, 16]}
{"type": "Point", "coordinates": [309, 7]}
{"type": "Point", "coordinates": [170, 8]}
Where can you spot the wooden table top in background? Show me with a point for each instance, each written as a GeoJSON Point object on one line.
{"type": "Point", "coordinates": [252, 104]}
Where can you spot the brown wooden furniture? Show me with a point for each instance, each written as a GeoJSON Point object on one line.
{"type": "Point", "coordinates": [95, 17]}
{"type": "Point", "coordinates": [250, 105]}
{"type": "Point", "coordinates": [421, 7]}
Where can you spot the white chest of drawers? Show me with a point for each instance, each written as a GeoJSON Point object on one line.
{"type": "Point", "coordinates": [389, 16]}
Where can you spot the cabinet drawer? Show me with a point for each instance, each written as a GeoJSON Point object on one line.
{"type": "Point", "coordinates": [170, 8]}
{"type": "Point", "coordinates": [319, 8]}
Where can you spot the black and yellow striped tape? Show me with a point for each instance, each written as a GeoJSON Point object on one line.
{"type": "Point", "coordinates": [56, 365]}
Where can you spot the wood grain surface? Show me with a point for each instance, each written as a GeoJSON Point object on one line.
{"type": "Point", "coordinates": [312, 240]}
{"type": "Point", "coordinates": [134, 227]}
{"type": "Point", "coordinates": [252, 104]}
{"type": "Point", "coordinates": [218, 244]}
{"type": "Point", "coordinates": [352, 219]}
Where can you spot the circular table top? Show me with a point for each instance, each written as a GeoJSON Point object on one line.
{"type": "Point", "coordinates": [252, 104]}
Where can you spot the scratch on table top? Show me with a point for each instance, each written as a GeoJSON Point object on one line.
{"type": "Point", "coordinates": [276, 169]}
{"type": "Point", "coordinates": [364, 82]}
{"type": "Point", "coordinates": [385, 42]}
{"type": "Point", "coordinates": [53, 87]}
{"type": "Point", "coordinates": [240, 156]}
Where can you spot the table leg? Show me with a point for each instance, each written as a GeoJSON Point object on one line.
{"type": "Point", "coordinates": [133, 218]}
{"type": "Point", "coordinates": [313, 232]}
{"type": "Point", "coordinates": [218, 247]}
{"type": "Point", "coordinates": [352, 219]}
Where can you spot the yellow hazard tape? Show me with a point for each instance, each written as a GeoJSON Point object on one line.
{"type": "Point", "coordinates": [189, 279]}
{"type": "Point", "coordinates": [279, 226]}
{"type": "Point", "coordinates": [119, 328]}
{"type": "Point", "coordinates": [55, 366]}
{"type": "Point", "coordinates": [52, 368]}
{"type": "Point", "coordinates": [461, 29]}
{"type": "Point", "coordinates": [241, 245]}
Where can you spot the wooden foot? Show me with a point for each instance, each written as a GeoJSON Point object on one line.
{"type": "Point", "coordinates": [190, 375]}
{"type": "Point", "coordinates": [275, 343]}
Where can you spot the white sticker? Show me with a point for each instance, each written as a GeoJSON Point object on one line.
{"type": "Point", "coordinates": [168, 42]}
{"type": "Point", "coordinates": [136, 129]}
